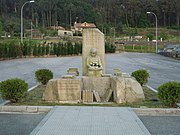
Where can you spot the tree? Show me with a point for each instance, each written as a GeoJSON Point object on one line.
{"type": "Point", "coordinates": [69, 48]}
{"type": "Point", "coordinates": [45, 13]}
{"type": "Point", "coordinates": [39, 50]}
{"type": "Point", "coordinates": [55, 48]}
{"type": "Point", "coordinates": [1, 28]}
{"type": "Point", "coordinates": [11, 28]}
{"type": "Point", "coordinates": [58, 49]}
{"type": "Point", "coordinates": [150, 36]}
{"type": "Point", "coordinates": [47, 49]}
{"type": "Point", "coordinates": [35, 50]}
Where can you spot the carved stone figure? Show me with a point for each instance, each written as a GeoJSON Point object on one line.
{"type": "Point", "coordinates": [94, 64]}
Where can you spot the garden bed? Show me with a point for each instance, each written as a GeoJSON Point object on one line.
{"type": "Point", "coordinates": [34, 98]}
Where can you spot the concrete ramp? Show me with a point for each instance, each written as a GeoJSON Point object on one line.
{"type": "Point", "coordinates": [82, 120]}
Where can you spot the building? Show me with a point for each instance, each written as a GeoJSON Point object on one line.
{"type": "Point", "coordinates": [62, 31]}
{"type": "Point", "coordinates": [65, 33]}
{"type": "Point", "coordinates": [78, 27]}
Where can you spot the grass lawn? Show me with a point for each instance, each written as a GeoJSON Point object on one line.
{"type": "Point", "coordinates": [34, 98]}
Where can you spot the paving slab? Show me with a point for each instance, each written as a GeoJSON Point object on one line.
{"type": "Point", "coordinates": [81, 120]}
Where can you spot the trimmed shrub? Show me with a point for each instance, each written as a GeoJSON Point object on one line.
{"type": "Point", "coordinates": [109, 47]}
{"type": "Point", "coordinates": [13, 89]}
{"type": "Point", "coordinates": [35, 50]}
{"type": "Point", "coordinates": [169, 93]}
{"type": "Point", "coordinates": [43, 75]}
{"type": "Point", "coordinates": [141, 76]}
{"type": "Point", "coordinates": [150, 36]}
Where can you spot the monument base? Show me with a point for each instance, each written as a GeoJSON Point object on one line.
{"type": "Point", "coordinates": [63, 90]}
{"type": "Point", "coordinates": [96, 73]}
{"type": "Point", "coordinates": [100, 89]}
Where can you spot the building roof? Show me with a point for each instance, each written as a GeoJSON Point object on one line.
{"type": "Point", "coordinates": [84, 25]}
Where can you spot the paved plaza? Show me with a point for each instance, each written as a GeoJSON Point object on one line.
{"type": "Point", "coordinates": [81, 120]}
{"type": "Point", "coordinates": [162, 69]}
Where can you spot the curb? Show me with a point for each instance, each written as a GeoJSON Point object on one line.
{"type": "Point", "coordinates": [5, 102]}
{"type": "Point", "coordinates": [138, 111]}
{"type": "Point", "coordinates": [151, 88]}
{"type": "Point", "coordinates": [157, 111]}
{"type": "Point", "coordinates": [33, 87]}
{"type": "Point", "coordinates": [25, 109]}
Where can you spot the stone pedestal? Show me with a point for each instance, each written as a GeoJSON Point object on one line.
{"type": "Point", "coordinates": [69, 90]}
{"type": "Point", "coordinates": [95, 73]}
{"type": "Point", "coordinates": [99, 84]}
{"type": "Point", "coordinates": [63, 90]}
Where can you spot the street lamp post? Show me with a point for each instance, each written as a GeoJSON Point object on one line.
{"type": "Point", "coordinates": [156, 27]}
{"type": "Point", "coordinates": [114, 32]}
{"type": "Point", "coordinates": [76, 19]}
{"type": "Point", "coordinates": [22, 18]}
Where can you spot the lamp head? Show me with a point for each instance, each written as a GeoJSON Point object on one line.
{"type": "Point", "coordinates": [31, 1]}
{"type": "Point", "coordinates": [148, 12]}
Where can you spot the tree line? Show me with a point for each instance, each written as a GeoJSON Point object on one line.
{"type": "Point", "coordinates": [12, 50]}
{"type": "Point", "coordinates": [133, 12]}
{"type": "Point", "coordinates": [104, 13]}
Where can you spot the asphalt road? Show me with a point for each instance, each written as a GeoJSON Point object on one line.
{"type": "Point", "coordinates": [19, 124]}
{"type": "Point", "coordinates": [162, 125]}
{"type": "Point", "coordinates": [162, 69]}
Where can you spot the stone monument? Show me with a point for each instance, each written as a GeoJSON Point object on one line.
{"type": "Point", "coordinates": [94, 84]}
{"type": "Point", "coordinates": [92, 38]}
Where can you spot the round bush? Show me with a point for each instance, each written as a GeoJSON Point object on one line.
{"type": "Point", "coordinates": [13, 89]}
{"type": "Point", "coordinates": [43, 75]}
{"type": "Point", "coordinates": [141, 76]}
{"type": "Point", "coordinates": [169, 93]}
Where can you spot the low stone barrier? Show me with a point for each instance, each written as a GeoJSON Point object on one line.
{"type": "Point", "coordinates": [157, 111]}
{"type": "Point", "coordinates": [25, 109]}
